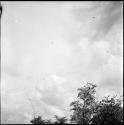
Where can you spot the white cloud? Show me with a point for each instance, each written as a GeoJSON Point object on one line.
{"type": "Point", "coordinates": [28, 118]}
{"type": "Point", "coordinates": [50, 49]}
{"type": "Point", "coordinates": [58, 79]}
{"type": "Point", "coordinates": [56, 111]}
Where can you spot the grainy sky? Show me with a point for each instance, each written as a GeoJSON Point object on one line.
{"type": "Point", "coordinates": [49, 49]}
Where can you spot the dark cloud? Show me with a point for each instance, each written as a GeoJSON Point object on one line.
{"type": "Point", "coordinates": [102, 17]}
{"type": "Point", "coordinates": [110, 15]}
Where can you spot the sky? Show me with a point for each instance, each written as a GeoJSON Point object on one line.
{"type": "Point", "coordinates": [49, 49]}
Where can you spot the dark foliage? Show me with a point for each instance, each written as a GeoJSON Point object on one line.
{"type": "Point", "coordinates": [83, 108]}
{"type": "Point", "coordinates": [108, 111]}
{"type": "Point", "coordinates": [58, 120]}
{"type": "Point", "coordinates": [38, 120]}
{"type": "Point", "coordinates": [86, 110]}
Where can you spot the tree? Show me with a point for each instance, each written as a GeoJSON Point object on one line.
{"type": "Point", "coordinates": [38, 120]}
{"type": "Point", "coordinates": [108, 111]}
{"type": "Point", "coordinates": [86, 110]}
{"type": "Point", "coordinates": [48, 122]}
{"type": "Point", "coordinates": [58, 120]}
{"type": "Point", "coordinates": [83, 108]}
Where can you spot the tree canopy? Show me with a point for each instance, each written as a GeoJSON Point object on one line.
{"type": "Point", "coordinates": [83, 107]}
{"type": "Point", "coordinates": [109, 110]}
{"type": "Point", "coordinates": [87, 110]}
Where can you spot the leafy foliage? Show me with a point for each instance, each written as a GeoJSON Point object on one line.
{"type": "Point", "coordinates": [84, 106]}
{"type": "Point", "coordinates": [58, 120]}
{"type": "Point", "coordinates": [86, 110]}
{"type": "Point", "coordinates": [38, 120]}
{"type": "Point", "coordinates": [108, 111]}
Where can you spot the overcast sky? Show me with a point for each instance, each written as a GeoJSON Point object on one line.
{"type": "Point", "coordinates": [49, 49]}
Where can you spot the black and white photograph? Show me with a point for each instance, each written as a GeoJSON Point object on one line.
{"type": "Point", "coordinates": [61, 62]}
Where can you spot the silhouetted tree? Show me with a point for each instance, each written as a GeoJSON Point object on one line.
{"type": "Point", "coordinates": [38, 120]}
{"type": "Point", "coordinates": [108, 111]}
{"type": "Point", "coordinates": [83, 107]}
{"type": "Point", "coordinates": [58, 120]}
{"type": "Point", "coordinates": [86, 110]}
{"type": "Point", "coordinates": [48, 122]}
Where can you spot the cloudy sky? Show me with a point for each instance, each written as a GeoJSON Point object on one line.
{"type": "Point", "coordinates": [49, 49]}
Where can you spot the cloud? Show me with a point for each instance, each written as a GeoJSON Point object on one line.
{"type": "Point", "coordinates": [10, 117]}
{"type": "Point", "coordinates": [54, 92]}
{"type": "Point", "coordinates": [58, 79]}
{"type": "Point", "coordinates": [51, 49]}
{"type": "Point", "coordinates": [112, 12]}
{"type": "Point", "coordinates": [98, 18]}
{"type": "Point", "coordinates": [28, 117]}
